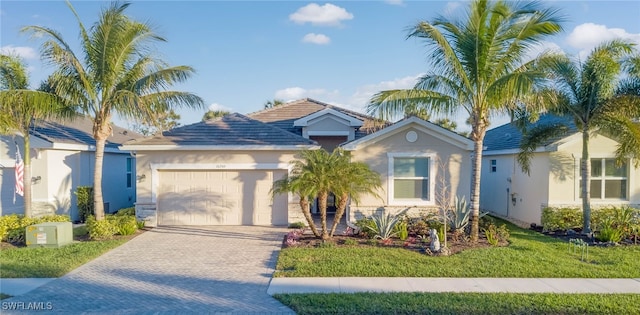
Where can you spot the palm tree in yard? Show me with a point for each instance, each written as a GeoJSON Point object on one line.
{"type": "Point", "coordinates": [20, 107]}
{"type": "Point", "coordinates": [597, 98]}
{"type": "Point", "coordinates": [478, 67]}
{"type": "Point", "coordinates": [116, 73]}
{"type": "Point", "coordinates": [351, 179]}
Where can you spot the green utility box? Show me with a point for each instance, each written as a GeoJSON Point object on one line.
{"type": "Point", "coordinates": [49, 234]}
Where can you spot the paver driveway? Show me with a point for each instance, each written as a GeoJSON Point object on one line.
{"type": "Point", "coordinates": [174, 270]}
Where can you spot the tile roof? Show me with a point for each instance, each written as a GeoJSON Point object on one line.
{"type": "Point", "coordinates": [232, 130]}
{"type": "Point", "coordinates": [284, 115]}
{"type": "Point", "coordinates": [78, 130]}
{"type": "Point", "coordinates": [508, 136]}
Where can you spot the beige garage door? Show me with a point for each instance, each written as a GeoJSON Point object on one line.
{"type": "Point", "coordinates": [241, 197]}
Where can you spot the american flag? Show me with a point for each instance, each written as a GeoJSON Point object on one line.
{"type": "Point", "coordinates": [19, 174]}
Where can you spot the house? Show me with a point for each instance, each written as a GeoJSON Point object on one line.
{"type": "Point", "coordinates": [221, 171]}
{"type": "Point", "coordinates": [554, 178]}
{"type": "Point", "coordinates": [62, 158]}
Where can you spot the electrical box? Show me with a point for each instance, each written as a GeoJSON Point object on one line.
{"type": "Point", "coordinates": [49, 234]}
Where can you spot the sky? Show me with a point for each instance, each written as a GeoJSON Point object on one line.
{"type": "Point", "coordinates": [246, 53]}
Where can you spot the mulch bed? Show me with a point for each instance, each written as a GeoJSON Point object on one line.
{"type": "Point", "coordinates": [567, 235]}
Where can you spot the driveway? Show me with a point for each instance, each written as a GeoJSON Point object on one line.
{"type": "Point", "coordinates": [173, 270]}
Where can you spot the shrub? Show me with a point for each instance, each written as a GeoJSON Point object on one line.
{"type": "Point", "coordinates": [125, 224]}
{"type": "Point", "coordinates": [609, 231]}
{"type": "Point", "coordinates": [12, 227]}
{"type": "Point", "coordinates": [85, 202]}
{"type": "Point", "coordinates": [401, 230]}
{"type": "Point", "coordinates": [297, 225]}
{"type": "Point", "coordinates": [496, 235]}
{"type": "Point", "coordinates": [140, 224]}
{"type": "Point", "coordinates": [418, 227]}
{"type": "Point", "coordinates": [101, 230]}
{"type": "Point", "coordinates": [384, 225]}
{"type": "Point", "coordinates": [561, 218]}
{"type": "Point", "coordinates": [459, 218]}
{"type": "Point", "coordinates": [127, 211]}
{"type": "Point", "coordinates": [365, 227]}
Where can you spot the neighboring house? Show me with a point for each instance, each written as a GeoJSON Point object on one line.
{"type": "Point", "coordinates": [554, 179]}
{"type": "Point", "coordinates": [62, 158]}
{"type": "Point", "coordinates": [221, 171]}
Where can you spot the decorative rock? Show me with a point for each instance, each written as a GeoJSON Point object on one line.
{"type": "Point", "coordinates": [435, 241]}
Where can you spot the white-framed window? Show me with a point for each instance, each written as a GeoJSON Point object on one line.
{"type": "Point", "coordinates": [129, 172]}
{"type": "Point", "coordinates": [608, 180]}
{"type": "Point", "coordinates": [411, 179]}
{"type": "Point", "coordinates": [494, 166]}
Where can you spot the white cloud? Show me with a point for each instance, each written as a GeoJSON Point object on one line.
{"type": "Point", "coordinates": [327, 14]}
{"type": "Point", "coordinates": [216, 106]}
{"type": "Point", "coordinates": [296, 93]}
{"type": "Point", "coordinates": [587, 36]}
{"type": "Point", "coordinates": [22, 51]}
{"type": "Point", "coordinates": [363, 93]}
{"type": "Point", "coordinates": [451, 7]}
{"type": "Point", "coordinates": [394, 2]}
{"type": "Point", "coordinates": [318, 39]}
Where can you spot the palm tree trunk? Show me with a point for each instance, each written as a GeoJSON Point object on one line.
{"type": "Point", "coordinates": [476, 168]}
{"type": "Point", "coordinates": [306, 211]}
{"type": "Point", "coordinates": [26, 180]}
{"type": "Point", "coordinates": [585, 169]}
{"type": "Point", "coordinates": [98, 203]}
{"type": "Point", "coordinates": [322, 204]}
{"type": "Point", "coordinates": [341, 207]}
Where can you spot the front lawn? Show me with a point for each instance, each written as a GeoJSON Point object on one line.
{"type": "Point", "coordinates": [461, 303]}
{"type": "Point", "coordinates": [530, 255]}
{"type": "Point", "coordinates": [40, 262]}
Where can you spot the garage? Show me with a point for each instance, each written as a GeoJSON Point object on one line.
{"type": "Point", "coordinates": [220, 197]}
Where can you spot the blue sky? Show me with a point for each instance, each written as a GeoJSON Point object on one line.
{"type": "Point", "coordinates": [246, 53]}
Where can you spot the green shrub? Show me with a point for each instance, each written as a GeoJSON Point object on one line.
{"type": "Point", "coordinates": [101, 230]}
{"type": "Point", "coordinates": [297, 225]}
{"type": "Point", "coordinates": [131, 211]}
{"type": "Point", "coordinates": [126, 225]}
{"type": "Point", "coordinates": [561, 218]}
{"type": "Point", "coordinates": [401, 230]}
{"type": "Point", "coordinates": [365, 227]}
{"type": "Point", "coordinates": [418, 227]}
{"type": "Point", "coordinates": [384, 225]}
{"type": "Point", "coordinates": [495, 235]}
{"type": "Point", "coordinates": [609, 231]}
{"type": "Point", "coordinates": [85, 202]}
{"type": "Point", "coordinates": [80, 231]}
{"type": "Point", "coordinates": [140, 224]}
{"type": "Point", "coordinates": [12, 227]}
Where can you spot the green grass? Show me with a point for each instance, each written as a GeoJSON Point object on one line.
{"type": "Point", "coordinates": [39, 262]}
{"type": "Point", "coordinates": [461, 303]}
{"type": "Point", "coordinates": [530, 255]}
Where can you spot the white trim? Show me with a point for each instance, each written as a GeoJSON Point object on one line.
{"type": "Point", "coordinates": [155, 167]}
{"type": "Point", "coordinates": [328, 133]}
{"type": "Point", "coordinates": [422, 125]}
{"type": "Point", "coordinates": [513, 151]}
{"type": "Point", "coordinates": [7, 163]}
{"type": "Point", "coordinates": [390, 178]}
{"type": "Point", "coordinates": [305, 121]}
{"type": "Point", "coordinates": [175, 147]}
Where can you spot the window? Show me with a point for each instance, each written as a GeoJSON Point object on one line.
{"type": "Point", "coordinates": [411, 178]}
{"type": "Point", "coordinates": [608, 180]}
{"type": "Point", "coordinates": [129, 172]}
{"type": "Point", "coordinates": [494, 166]}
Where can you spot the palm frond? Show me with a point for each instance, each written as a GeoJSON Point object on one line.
{"type": "Point", "coordinates": [534, 138]}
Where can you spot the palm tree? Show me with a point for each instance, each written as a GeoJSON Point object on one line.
{"type": "Point", "coordinates": [478, 67]}
{"type": "Point", "coordinates": [118, 74]}
{"type": "Point", "coordinates": [271, 104]}
{"type": "Point", "coordinates": [20, 108]}
{"type": "Point", "coordinates": [211, 114]}
{"type": "Point", "coordinates": [592, 94]}
{"type": "Point", "coordinates": [351, 179]}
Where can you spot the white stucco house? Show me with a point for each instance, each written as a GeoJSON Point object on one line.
{"type": "Point", "coordinates": [554, 179]}
{"type": "Point", "coordinates": [221, 171]}
{"type": "Point", "coordinates": [62, 158]}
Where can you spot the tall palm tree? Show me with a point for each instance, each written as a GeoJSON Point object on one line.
{"type": "Point", "coordinates": [20, 107]}
{"type": "Point", "coordinates": [350, 181]}
{"type": "Point", "coordinates": [211, 114]}
{"type": "Point", "coordinates": [117, 73]}
{"type": "Point", "coordinates": [594, 96]}
{"type": "Point", "coordinates": [273, 103]}
{"type": "Point", "coordinates": [478, 67]}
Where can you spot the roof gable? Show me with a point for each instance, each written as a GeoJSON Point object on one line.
{"type": "Point", "coordinates": [327, 112]}
{"type": "Point", "coordinates": [78, 131]}
{"type": "Point", "coordinates": [233, 131]}
{"type": "Point", "coordinates": [425, 126]}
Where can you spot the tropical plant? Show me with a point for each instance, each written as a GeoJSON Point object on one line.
{"type": "Point", "coordinates": [116, 73]}
{"type": "Point", "coordinates": [20, 108]}
{"type": "Point", "coordinates": [478, 67]}
{"type": "Point", "coordinates": [384, 224]}
{"type": "Point", "coordinates": [274, 103]}
{"type": "Point", "coordinates": [594, 96]}
{"type": "Point", "coordinates": [459, 217]}
{"type": "Point", "coordinates": [609, 231]}
{"type": "Point", "coordinates": [161, 121]}
{"type": "Point", "coordinates": [211, 114]}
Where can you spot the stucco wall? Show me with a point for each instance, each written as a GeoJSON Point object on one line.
{"type": "Point", "coordinates": [450, 165]}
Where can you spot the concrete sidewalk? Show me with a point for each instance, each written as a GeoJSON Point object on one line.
{"type": "Point", "coordinates": [482, 285]}
{"type": "Point", "coordinates": [20, 286]}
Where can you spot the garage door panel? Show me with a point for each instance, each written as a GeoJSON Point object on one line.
{"type": "Point", "coordinates": [220, 198]}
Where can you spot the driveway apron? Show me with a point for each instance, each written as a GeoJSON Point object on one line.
{"type": "Point", "coordinates": [173, 270]}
